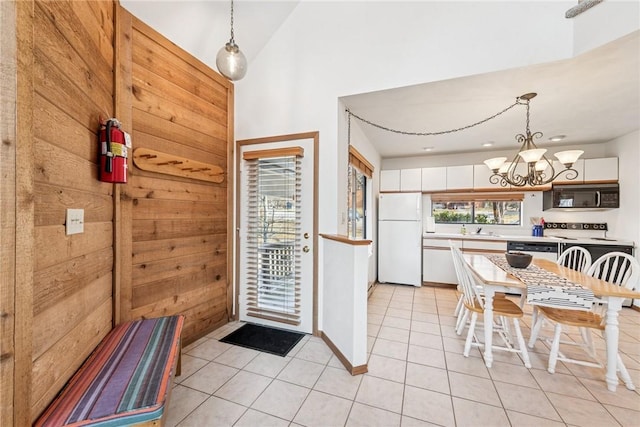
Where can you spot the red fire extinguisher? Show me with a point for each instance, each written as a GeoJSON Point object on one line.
{"type": "Point", "coordinates": [114, 145]}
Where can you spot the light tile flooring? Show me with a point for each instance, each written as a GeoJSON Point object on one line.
{"type": "Point", "coordinates": [417, 377]}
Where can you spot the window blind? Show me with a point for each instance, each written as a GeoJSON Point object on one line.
{"type": "Point", "coordinates": [273, 239]}
{"type": "Point", "coordinates": [477, 197]}
{"type": "Point", "coordinates": [358, 161]}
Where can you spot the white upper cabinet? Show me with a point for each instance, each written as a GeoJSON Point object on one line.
{"type": "Point", "coordinates": [390, 180]}
{"type": "Point", "coordinates": [601, 169]}
{"type": "Point", "coordinates": [434, 179]}
{"type": "Point", "coordinates": [459, 177]}
{"type": "Point", "coordinates": [481, 174]}
{"type": "Point", "coordinates": [411, 179]}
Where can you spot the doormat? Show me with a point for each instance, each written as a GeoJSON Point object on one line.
{"type": "Point", "coordinates": [263, 338]}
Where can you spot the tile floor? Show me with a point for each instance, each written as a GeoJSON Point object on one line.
{"type": "Point", "coordinates": [417, 377]}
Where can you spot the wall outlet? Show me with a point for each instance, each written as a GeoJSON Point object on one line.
{"type": "Point", "coordinates": [75, 221]}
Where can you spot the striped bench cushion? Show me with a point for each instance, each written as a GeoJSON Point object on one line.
{"type": "Point", "coordinates": [126, 379]}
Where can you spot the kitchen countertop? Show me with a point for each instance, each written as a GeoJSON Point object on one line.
{"type": "Point", "coordinates": [522, 238]}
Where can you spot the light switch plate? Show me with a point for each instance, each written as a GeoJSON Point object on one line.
{"type": "Point", "coordinates": [75, 221]}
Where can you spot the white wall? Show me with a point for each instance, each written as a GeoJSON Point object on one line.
{"type": "Point", "coordinates": [604, 22]}
{"type": "Point", "coordinates": [325, 50]}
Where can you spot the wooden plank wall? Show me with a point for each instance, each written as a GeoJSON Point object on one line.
{"type": "Point", "coordinates": [178, 250]}
{"type": "Point", "coordinates": [8, 96]}
{"type": "Point", "coordinates": [155, 246]}
{"type": "Point", "coordinates": [72, 275]}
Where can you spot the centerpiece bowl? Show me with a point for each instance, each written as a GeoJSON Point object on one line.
{"type": "Point", "coordinates": [518, 259]}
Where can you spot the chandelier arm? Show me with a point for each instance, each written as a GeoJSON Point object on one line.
{"type": "Point", "coordinates": [443, 132]}
{"type": "Point", "coordinates": [497, 178]}
{"type": "Point", "coordinates": [571, 174]}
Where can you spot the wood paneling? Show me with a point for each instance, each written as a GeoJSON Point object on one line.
{"type": "Point", "coordinates": [71, 278]}
{"type": "Point", "coordinates": [25, 214]}
{"type": "Point", "coordinates": [158, 245]}
{"type": "Point", "coordinates": [179, 226]}
{"type": "Point", "coordinates": [8, 139]}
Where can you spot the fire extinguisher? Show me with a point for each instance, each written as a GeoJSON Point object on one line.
{"type": "Point", "coordinates": [114, 145]}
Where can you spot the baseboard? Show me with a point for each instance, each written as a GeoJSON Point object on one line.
{"type": "Point", "coordinates": [353, 370]}
{"type": "Point", "coordinates": [439, 285]}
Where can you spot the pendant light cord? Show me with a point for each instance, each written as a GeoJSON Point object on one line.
{"type": "Point", "coordinates": [233, 40]}
{"type": "Point", "coordinates": [443, 132]}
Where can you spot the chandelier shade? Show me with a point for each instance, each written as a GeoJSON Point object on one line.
{"type": "Point", "coordinates": [569, 157]}
{"type": "Point", "coordinates": [530, 166]}
{"type": "Point", "coordinates": [230, 60]}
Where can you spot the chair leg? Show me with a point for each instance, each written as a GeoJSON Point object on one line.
{"type": "Point", "coordinates": [456, 312]}
{"type": "Point", "coordinates": [521, 344]}
{"type": "Point", "coordinates": [555, 348]}
{"type": "Point", "coordinates": [588, 341]}
{"type": "Point", "coordinates": [462, 320]}
{"type": "Point", "coordinates": [625, 374]}
{"type": "Point", "coordinates": [507, 330]}
{"type": "Point", "coordinates": [535, 330]}
{"type": "Point", "coordinates": [472, 326]}
{"type": "Point", "coordinates": [534, 316]}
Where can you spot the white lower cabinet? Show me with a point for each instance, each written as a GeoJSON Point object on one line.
{"type": "Point", "coordinates": [437, 262]}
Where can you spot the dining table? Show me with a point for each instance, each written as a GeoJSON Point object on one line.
{"type": "Point", "coordinates": [495, 279]}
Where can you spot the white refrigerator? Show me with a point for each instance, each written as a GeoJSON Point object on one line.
{"type": "Point", "coordinates": [400, 238]}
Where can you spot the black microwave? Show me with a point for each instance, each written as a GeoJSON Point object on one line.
{"type": "Point", "coordinates": [581, 196]}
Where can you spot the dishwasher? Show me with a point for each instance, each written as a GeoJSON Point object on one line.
{"type": "Point", "coordinates": [546, 250]}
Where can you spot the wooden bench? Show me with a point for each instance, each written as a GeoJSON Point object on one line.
{"type": "Point", "coordinates": [127, 380]}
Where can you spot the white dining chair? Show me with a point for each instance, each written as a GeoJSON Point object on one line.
{"type": "Point", "coordinates": [503, 308]}
{"type": "Point", "coordinates": [576, 258]}
{"type": "Point", "coordinates": [615, 267]}
{"type": "Point", "coordinates": [461, 312]}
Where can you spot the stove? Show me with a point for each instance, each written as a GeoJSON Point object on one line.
{"type": "Point", "coordinates": [600, 226]}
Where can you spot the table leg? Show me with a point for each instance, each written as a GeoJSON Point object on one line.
{"type": "Point", "coordinates": [488, 325]}
{"type": "Point", "coordinates": [611, 333]}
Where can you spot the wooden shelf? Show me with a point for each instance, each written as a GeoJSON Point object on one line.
{"type": "Point", "coordinates": [169, 164]}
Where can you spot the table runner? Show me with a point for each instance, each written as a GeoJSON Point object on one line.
{"type": "Point", "coordinates": [547, 288]}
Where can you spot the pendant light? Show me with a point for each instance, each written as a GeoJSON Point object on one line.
{"type": "Point", "coordinates": [230, 61]}
{"type": "Point", "coordinates": [536, 168]}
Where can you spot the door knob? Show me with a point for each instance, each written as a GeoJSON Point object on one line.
{"type": "Point", "coordinates": [305, 235]}
{"type": "Point", "coordinates": [305, 249]}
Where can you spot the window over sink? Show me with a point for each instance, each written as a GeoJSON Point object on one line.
{"type": "Point", "coordinates": [502, 209]}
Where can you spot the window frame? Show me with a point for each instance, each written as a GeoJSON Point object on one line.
{"type": "Point", "coordinates": [358, 166]}
{"type": "Point", "coordinates": [478, 198]}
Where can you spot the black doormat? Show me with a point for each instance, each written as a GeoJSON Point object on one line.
{"type": "Point", "coordinates": [263, 338]}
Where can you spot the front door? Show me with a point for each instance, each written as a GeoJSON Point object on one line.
{"type": "Point", "coordinates": [277, 232]}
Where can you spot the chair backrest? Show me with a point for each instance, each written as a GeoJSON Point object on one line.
{"type": "Point", "coordinates": [469, 289]}
{"type": "Point", "coordinates": [617, 267]}
{"type": "Point", "coordinates": [576, 258]}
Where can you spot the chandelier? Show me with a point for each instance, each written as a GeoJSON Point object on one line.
{"type": "Point", "coordinates": [230, 61]}
{"type": "Point", "coordinates": [530, 167]}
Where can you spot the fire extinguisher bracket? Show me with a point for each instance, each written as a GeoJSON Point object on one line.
{"type": "Point", "coordinates": [169, 164]}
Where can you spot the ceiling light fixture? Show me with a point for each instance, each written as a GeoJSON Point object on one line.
{"type": "Point", "coordinates": [488, 144]}
{"type": "Point", "coordinates": [230, 61]}
{"type": "Point", "coordinates": [557, 138]}
{"type": "Point", "coordinates": [532, 159]}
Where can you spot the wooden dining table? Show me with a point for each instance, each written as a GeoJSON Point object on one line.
{"type": "Point", "coordinates": [494, 279]}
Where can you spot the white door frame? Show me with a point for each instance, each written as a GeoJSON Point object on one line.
{"type": "Point", "coordinates": [280, 138]}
